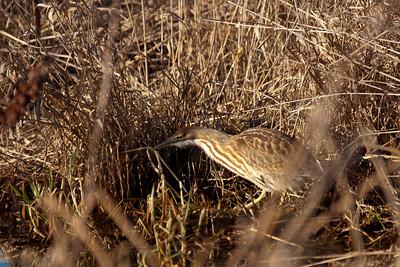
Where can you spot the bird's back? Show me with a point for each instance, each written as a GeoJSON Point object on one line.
{"type": "Point", "coordinates": [272, 160]}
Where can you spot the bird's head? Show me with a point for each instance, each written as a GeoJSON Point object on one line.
{"type": "Point", "coordinates": [193, 136]}
{"type": "Point", "coordinates": [182, 138]}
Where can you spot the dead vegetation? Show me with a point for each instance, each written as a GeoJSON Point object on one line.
{"type": "Point", "coordinates": [80, 174]}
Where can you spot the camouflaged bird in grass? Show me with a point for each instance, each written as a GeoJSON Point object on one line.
{"type": "Point", "coordinates": [273, 161]}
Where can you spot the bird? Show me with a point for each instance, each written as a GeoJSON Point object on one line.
{"type": "Point", "coordinates": [272, 160]}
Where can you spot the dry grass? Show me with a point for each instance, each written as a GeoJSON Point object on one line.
{"type": "Point", "coordinates": [121, 81]}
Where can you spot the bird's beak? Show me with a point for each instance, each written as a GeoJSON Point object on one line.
{"type": "Point", "coordinates": [168, 142]}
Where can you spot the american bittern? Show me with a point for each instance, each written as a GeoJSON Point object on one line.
{"type": "Point", "coordinates": [273, 161]}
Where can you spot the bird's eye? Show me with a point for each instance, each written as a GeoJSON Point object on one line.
{"type": "Point", "coordinates": [179, 135]}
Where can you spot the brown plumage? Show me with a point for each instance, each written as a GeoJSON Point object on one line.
{"type": "Point", "coordinates": [273, 161]}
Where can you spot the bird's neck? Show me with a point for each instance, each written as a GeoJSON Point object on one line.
{"type": "Point", "coordinates": [217, 152]}
{"type": "Point", "coordinates": [213, 144]}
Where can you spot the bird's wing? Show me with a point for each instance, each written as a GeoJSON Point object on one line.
{"type": "Point", "coordinates": [271, 151]}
